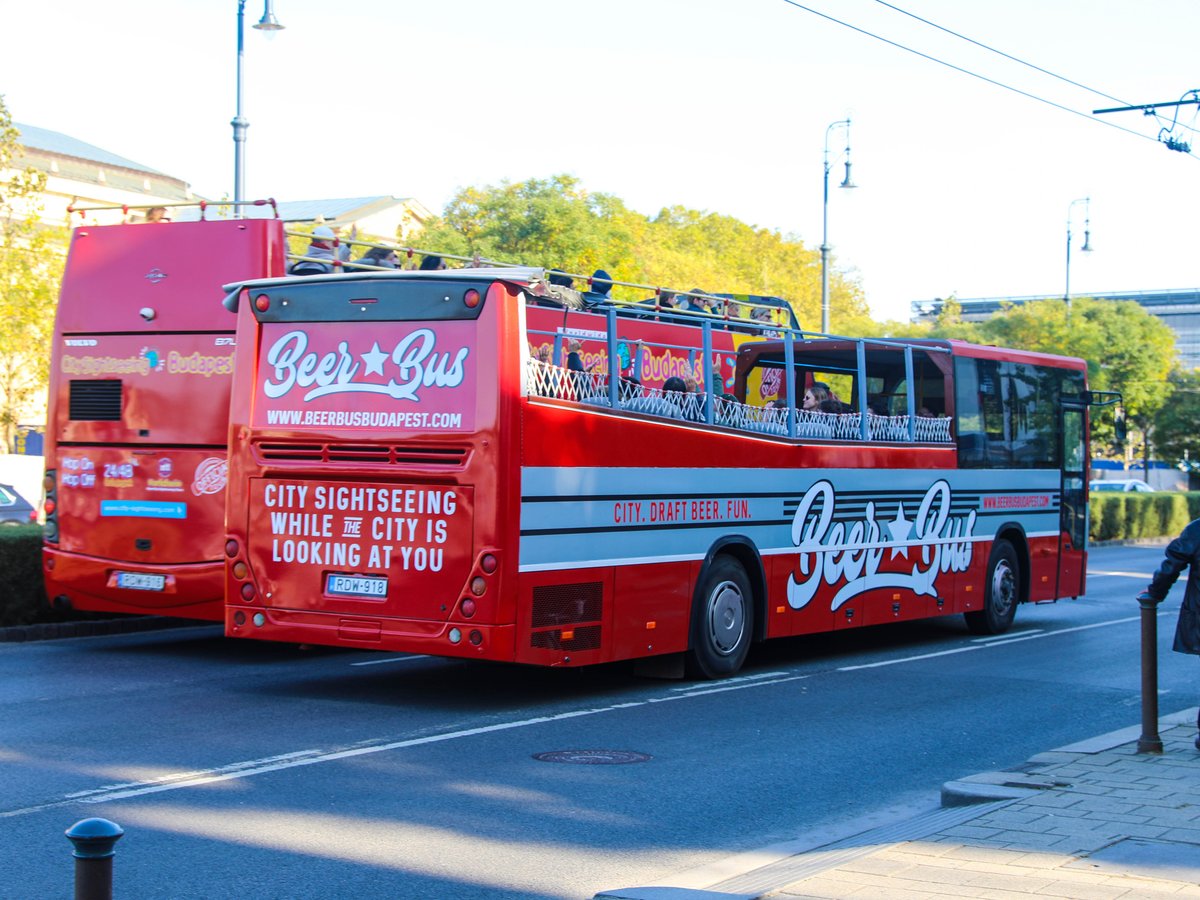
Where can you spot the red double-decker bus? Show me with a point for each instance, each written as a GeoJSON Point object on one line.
{"type": "Point", "coordinates": [138, 417]}
{"type": "Point", "coordinates": [407, 474]}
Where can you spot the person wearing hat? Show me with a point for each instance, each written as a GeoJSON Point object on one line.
{"type": "Point", "coordinates": [320, 254]}
{"type": "Point", "coordinates": [600, 288]}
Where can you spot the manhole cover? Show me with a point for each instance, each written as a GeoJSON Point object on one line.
{"type": "Point", "coordinates": [593, 757]}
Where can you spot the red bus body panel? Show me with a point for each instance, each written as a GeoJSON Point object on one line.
{"type": "Point", "coordinates": [141, 466]}
{"type": "Point", "coordinates": [578, 533]}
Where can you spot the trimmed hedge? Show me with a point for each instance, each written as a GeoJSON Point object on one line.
{"type": "Point", "coordinates": [22, 595]}
{"type": "Point", "coordinates": [1124, 516]}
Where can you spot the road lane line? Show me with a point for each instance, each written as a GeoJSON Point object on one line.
{"type": "Point", "coordinates": [1096, 574]}
{"type": "Point", "coordinates": [758, 676]}
{"type": "Point", "coordinates": [999, 641]}
{"type": "Point", "coordinates": [390, 659]}
{"type": "Point", "coordinates": [235, 771]}
{"type": "Point", "coordinates": [992, 637]}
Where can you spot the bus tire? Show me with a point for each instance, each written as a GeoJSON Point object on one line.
{"type": "Point", "coordinates": [722, 621]}
{"type": "Point", "coordinates": [1001, 592]}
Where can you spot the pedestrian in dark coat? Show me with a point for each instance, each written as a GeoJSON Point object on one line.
{"type": "Point", "coordinates": [1182, 553]}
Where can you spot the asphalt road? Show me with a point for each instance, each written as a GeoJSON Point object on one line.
{"type": "Point", "coordinates": [264, 770]}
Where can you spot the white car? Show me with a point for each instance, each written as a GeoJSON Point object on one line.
{"type": "Point", "coordinates": [1122, 484]}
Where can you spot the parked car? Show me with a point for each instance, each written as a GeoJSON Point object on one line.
{"type": "Point", "coordinates": [15, 509]}
{"type": "Point", "coordinates": [1122, 484]}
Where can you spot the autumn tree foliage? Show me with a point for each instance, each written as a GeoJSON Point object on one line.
{"type": "Point", "coordinates": [30, 270]}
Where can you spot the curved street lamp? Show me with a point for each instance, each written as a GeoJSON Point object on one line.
{"type": "Point", "coordinates": [267, 23]}
{"type": "Point", "coordinates": [846, 183]}
{"type": "Point", "coordinates": [1087, 237]}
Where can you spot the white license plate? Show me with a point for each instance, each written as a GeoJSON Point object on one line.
{"type": "Point", "coordinates": [141, 581]}
{"type": "Point", "coordinates": [356, 585]}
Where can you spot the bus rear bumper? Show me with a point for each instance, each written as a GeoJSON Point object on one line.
{"type": "Point", "coordinates": [462, 639]}
{"type": "Point", "coordinates": [89, 583]}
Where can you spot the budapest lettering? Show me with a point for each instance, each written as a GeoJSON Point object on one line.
{"type": "Point", "coordinates": [850, 559]}
{"type": "Point", "coordinates": [415, 357]}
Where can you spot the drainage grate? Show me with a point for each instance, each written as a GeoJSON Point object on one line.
{"type": "Point", "coordinates": [593, 757]}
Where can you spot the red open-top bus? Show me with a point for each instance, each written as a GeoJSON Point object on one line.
{"type": "Point", "coordinates": [138, 419]}
{"type": "Point", "coordinates": [406, 474]}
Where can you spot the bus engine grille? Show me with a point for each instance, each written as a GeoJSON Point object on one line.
{"type": "Point", "coordinates": [570, 615]}
{"type": "Point", "coordinates": [95, 400]}
{"type": "Point", "coordinates": [380, 454]}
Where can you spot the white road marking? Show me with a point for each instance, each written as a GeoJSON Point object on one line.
{"type": "Point", "coordinates": [758, 676]}
{"type": "Point", "coordinates": [390, 659]}
{"type": "Point", "coordinates": [997, 641]}
{"type": "Point", "coordinates": [1096, 574]}
{"type": "Point", "coordinates": [248, 768]}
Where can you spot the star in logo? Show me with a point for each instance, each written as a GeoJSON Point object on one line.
{"type": "Point", "coordinates": [900, 527]}
{"type": "Point", "coordinates": [374, 360]}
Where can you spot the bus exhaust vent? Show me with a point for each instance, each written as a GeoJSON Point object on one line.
{"type": "Point", "coordinates": [567, 616]}
{"type": "Point", "coordinates": [95, 401]}
{"type": "Point", "coordinates": [377, 454]}
{"type": "Point", "coordinates": [567, 604]}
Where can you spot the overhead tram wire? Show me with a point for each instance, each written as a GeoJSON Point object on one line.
{"type": "Point", "coordinates": [948, 65]}
{"type": "Point", "coordinates": [1009, 56]}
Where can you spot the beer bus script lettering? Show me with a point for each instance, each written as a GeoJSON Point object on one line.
{"type": "Point", "coordinates": [945, 543]}
{"type": "Point", "coordinates": [415, 355]}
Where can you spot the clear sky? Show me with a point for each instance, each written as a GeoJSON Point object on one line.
{"type": "Point", "coordinates": [719, 105]}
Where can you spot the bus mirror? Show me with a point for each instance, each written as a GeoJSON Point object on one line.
{"type": "Point", "coordinates": [1102, 398]}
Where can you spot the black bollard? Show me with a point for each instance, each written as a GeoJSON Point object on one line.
{"type": "Point", "coordinates": [1149, 742]}
{"type": "Point", "coordinates": [94, 840]}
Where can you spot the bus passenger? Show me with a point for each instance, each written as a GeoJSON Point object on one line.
{"type": "Point", "coordinates": [381, 257]}
{"type": "Point", "coordinates": [320, 254]}
{"type": "Point", "coordinates": [599, 289]}
{"type": "Point", "coordinates": [575, 355]}
{"type": "Point", "coordinates": [561, 278]}
{"type": "Point", "coordinates": [432, 263]}
{"type": "Point", "coordinates": [157, 214]}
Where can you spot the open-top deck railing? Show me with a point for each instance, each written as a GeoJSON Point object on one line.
{"type": "Point", "coordinates": [593, 389]}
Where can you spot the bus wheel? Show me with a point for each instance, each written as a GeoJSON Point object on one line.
{"type": "Point", "coordinates": [722, 621]}
{"type": "Point", "coordinates": [1000, 592]}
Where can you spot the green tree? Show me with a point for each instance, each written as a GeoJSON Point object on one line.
{"type": "Point", "coordinates": [1176, 437]}
{"type": "Point", "coordinates": [30, 272]}
{"type": "Point", "coordinates": [555, 222]}
{"type": "Point", "coordinates": [1126, 349]}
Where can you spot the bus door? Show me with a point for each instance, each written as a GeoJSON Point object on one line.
{"type": "Point", "coordinates": [1073, 530]}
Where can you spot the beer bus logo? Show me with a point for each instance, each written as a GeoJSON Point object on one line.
{"type": "Point", "coordinates": [413, 363]}
{"type": "Point", "coordinates": [850, 558]}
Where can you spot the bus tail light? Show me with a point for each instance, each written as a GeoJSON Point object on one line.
{"type": "Point", "coordinates": [475, 637]}
{"type": "Point", "coordinates": [248, 591]}
{"type": "Point", "coordinates": [471, 298]}
{"type": "Point", "coordinates": [240, 570]}
{"type": "Point", "coordinates": [50, 505]}
{"type": "Point", "coordinates": [262, 302]}
{"type": "Point", "coordinates": [468, 607]}
{"type": "Point", "coordinates": [478, 585]}
{"type": "Point", "coordinates": [231, 548]}
{"type": "Point", "coordinates": [488, 564]}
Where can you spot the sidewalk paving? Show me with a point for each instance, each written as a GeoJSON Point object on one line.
{"type": "Point", "coordinates": [1090, 820]}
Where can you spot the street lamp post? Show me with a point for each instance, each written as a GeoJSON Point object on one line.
{"type": "Point", "coordinates": [267, 23]}
{"type": "Point", "coordinates": [1087, 237]}
{"type": "Point", "coordinates": [846, 183]}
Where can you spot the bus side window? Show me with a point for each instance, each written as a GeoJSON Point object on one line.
{"type": "Point", "coordinates": [979, 399]}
